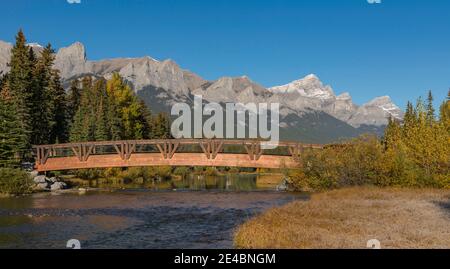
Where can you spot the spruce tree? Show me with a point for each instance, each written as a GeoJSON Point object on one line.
{"type": "Point", "coordinates": [444, 113]}
{"type": "Point", "coordinates": [161, 126]}
{"type": "Point", "coordinates": [60, 129]}
{"type": "Point", "coordinates": [430, 109]}
{"type": "Point", "coordinates": [73, 99]}
{"type": "Point", "coordinates": [392, 134]}
{"type": "Point", "coordinates": [41, 111]}
{"type": "Point", "coordinates": [19, 85]}
{"type": "Point", "coordinates": [13, 139]}
{"type": "Point", "coordinates": [101, 132]}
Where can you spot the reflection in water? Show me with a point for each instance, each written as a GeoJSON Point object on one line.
{"type": "Point", "coordinates": [139, 218]}
{"type": "Point", "coordinates": [230, 182]}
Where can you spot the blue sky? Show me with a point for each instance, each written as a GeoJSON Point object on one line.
{"type": "Point", "coordinates": [399, 48]}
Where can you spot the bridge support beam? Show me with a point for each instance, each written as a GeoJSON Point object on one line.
{"type": "Point", "coordinates": [125, 149]}
{"type": "Point", "coordinates": [167, 149]}
{"type": "Point", "coordinates": [211, 148]}
{"type": "Point", "coordinates": [83, 151]}
{"type": "Point", "coordinates": [254, 150]}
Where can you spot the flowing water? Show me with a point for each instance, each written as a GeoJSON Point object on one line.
{"type": "Point", "coordinates": [198, 212]}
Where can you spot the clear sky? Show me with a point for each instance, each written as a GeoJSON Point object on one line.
{"type": "Point", "coordinates": [399, 48]}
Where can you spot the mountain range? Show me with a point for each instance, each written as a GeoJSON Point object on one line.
{"type": "Point", "coordinates": [310, 111]}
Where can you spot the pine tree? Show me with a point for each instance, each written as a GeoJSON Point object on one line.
{"type": "Point", "coordinates": [161, 126]}
{"type": "Point", "coordinates": [41, 110]}
{"type": "Point", "coordinates": [19, 85]}
{"type": "Point", "coordinates": [12, 136]}
{"type": "Point", "coordinates": [392, 134]}
{"type": "Point", "coordinates": [60, 129]}
{"type": "Point", "coordinates": [73, 99]}
{"type": "Point", "coordinates": [430, 109]}
{"type": "Point", "coordinates": [444, 113]}
{"type": "Point", "coordinates": [101, 129]}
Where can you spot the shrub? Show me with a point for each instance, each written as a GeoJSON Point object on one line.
{"type": "Point", "coordinates": [89, 174]}
{"type": "Point", "coordinates": [233, 170]}
{"type": "Point", "coordinates": [14, 181]}
{"type": "Point", "coordinates": [182, 171]}
{"type": "Point", "coordinates": [211, 171]}
{"type": "Point", "coordinates": [199, 169]}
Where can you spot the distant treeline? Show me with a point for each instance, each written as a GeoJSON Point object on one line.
{"type": "Point", "coordinates": [35, 109]}
{"type": "Point", "coordinates": [412, 153]}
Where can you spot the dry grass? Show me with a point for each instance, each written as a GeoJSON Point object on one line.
{"type": "Point", "coordinates": [348, 218]}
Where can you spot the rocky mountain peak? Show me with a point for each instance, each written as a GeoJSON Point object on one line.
{"type": "Point", "coordinates": [344, 96]}
{"type": "Point", "coordinates": [376, 112]}
{"type": "Point", "coordinates": [71, 61]}
{"type": "Point", "coordinates": [309, 86]}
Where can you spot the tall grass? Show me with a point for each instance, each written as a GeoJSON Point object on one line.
{"type": "Point", "coordinates": [14, 182]}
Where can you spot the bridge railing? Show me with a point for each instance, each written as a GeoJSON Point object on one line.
{"type": "Point", "coordinates": [167, 148]}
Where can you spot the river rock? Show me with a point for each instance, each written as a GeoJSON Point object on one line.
{"type": "Point", "coordinates": [34, 174]}
{"type": "Point", "coordinates": [53, 180]}
{"type": "Point", "coordinates": [283, 186]}
{"type": "Point", "coordinates": [40, 179]}
{"type": "Point", "coordinates": [42, 186]}
{"type": "Point", "coordinates": [58, 186]}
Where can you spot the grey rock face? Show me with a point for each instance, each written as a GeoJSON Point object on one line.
{"type": "Point", "coordinates": [310, 93]}
{"type": "Point", "coordinates": [5, 56]}
{"type": "Point", "coordinates": [71, 61]}
{"type": "Point", "coordinates": [376, 112]}
{"type": "Point", "coordinates": [238, 90]}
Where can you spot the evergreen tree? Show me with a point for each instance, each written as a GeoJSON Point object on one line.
{"type": "Point", "coordinates": [161, 126]}
{"type": "Point", "coordinates": [19, 85]}
{"type": "Point", "coordinates": [59, 109]}
{"type": "Point", "coordinates": [444, 113]}
{"type": "Point", "coordinates": [392, 134]}
{"type": "Point", "coordinates": [430, 109]}
{"type": "Point", "coordinates": [12, 136]}
{"type": "Point", "coordinates": [73, 99]}
{"type": "Point", "coordinates": [41, 110]}
{"type": "Point", "coordinates": [101, 132]}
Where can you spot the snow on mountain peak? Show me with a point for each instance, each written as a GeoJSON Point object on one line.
{"type": "Point", "coordinates": [309, 86]}
{"type": "Point", "coordinates": [37, 45]}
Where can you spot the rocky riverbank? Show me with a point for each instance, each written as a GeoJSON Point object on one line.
{"type": "Point", "coordinates": [43, 183]}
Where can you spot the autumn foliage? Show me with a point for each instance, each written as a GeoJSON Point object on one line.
{"type": "Point", "coordinates": [412, 153]}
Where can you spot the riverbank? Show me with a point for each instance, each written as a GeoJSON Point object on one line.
{"type": "Point", "coordinates": [348, 218]}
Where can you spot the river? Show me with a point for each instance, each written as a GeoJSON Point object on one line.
{"type": "Point", "coordinates": [198, 212]}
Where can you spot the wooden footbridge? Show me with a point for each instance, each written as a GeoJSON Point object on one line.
{"type": "Point", "coordinates": [168, 152]}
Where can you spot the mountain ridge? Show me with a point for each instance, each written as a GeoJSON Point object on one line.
{"type": "Point", "coordinates": [162, 83]}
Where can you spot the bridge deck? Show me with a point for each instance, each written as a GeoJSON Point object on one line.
{"type": "Point", "coordinates": [214, 152]}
